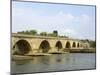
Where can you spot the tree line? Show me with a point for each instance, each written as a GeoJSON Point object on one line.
{"type": "Point", "coordinates": [91, 43]}
{"type": "Point", "coordinates": [34, 32]}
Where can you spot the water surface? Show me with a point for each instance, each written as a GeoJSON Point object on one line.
{"type": "Point", "coordinates": [55, 62]}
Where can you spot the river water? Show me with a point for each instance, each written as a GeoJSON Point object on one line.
{"type": "Point", "coordinates": [55, 62]}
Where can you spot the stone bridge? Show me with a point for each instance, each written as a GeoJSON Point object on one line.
{"type": "Point", "coordinates": [29, 44]}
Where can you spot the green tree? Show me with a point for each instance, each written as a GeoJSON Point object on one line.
{"type": "Point", "coordinates": [33, 32]}
{"type": "Point", "coordinates": [21, 32]}
{"type": "Point", "coordinates": [92, 44]}
{"type": "Point", "coordinates": [43, 33]}
{"type": "Point", "coordinates": [26, 32]}
{"type": "Point", "coordinates": [52, 34]}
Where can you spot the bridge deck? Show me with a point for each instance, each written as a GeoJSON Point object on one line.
{"type": "Point", "coordinates": [41, 37]}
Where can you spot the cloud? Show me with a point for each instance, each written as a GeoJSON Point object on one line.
{"type": "Point", "coordinates": [65, 23]}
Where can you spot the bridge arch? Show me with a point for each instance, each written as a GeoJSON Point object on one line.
{"type": "Point", "coordinates": [22, 47]}
{"type": "Point", "coordinates": [58, 45]}
{"type": "Point", "coordinates": [74, 44]}
{"type": "Point", "coordinates": [78, 45]}
{"type": "Point", "coordinates": [44, 46]}
{"type": "Point", "coordinates": [68, 45]}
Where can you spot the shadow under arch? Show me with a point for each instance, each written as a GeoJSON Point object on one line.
{"type": "Point", "coordinates": [77, 44]}
{"type": "Point", "coordinates": [58, 45]}
{"type": "Point", "coordinates": [68, 45]}
{"type": "Point", "coordinates": [21, 47]}
{"type": "Point", "coordinates": [74, 44]}
{"type": "Point", "coordinates": [44, 46]}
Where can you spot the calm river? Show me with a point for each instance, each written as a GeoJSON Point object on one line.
{"type": "Point", "coordinates": [55, 62]}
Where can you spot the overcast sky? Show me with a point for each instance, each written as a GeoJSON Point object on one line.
{"type": "Point", "coordinates": [70, 20]}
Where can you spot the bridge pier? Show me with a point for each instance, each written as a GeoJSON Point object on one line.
{"type": "Point", "coordinates": [66, 49]}
{"type": "Point", "coordinates": [55, 50]}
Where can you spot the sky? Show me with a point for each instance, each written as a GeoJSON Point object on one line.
{"type": "Point", "coordinates": [76, 21]}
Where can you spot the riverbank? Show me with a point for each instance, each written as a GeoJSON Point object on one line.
{"type": "Point", "coordinates": [90, 50]}
{"type": "Point", "coordinates": [28, 56]}
{"type": "Point", "coordinates": [21, 57]}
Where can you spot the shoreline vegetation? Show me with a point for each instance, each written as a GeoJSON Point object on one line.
{"type": "Point", "coordinates": [35, 33]}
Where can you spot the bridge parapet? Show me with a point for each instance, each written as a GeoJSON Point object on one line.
{"type": "Point", "coordinates": [41, 37]}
